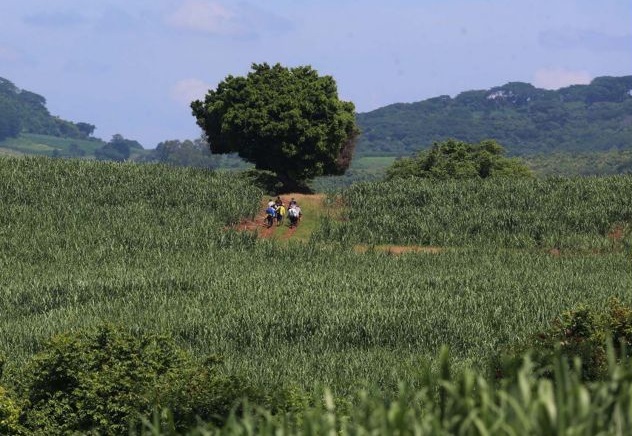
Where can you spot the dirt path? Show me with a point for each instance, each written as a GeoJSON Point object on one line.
{"type": "Point", "coordinates": [313, 208]}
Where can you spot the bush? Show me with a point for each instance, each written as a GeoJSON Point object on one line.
{"type": "Point", "coordinates": [583, 333]}
{"type": "Point", "coordinates": [454, 159]}
{"type": "Point", "coordinates": [104, 380]}
{"type": "Point", "coordinates": [9, 415]}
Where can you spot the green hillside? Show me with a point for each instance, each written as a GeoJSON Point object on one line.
{"type": "Point", "coordinates": [524, 119]}
{"type": "Point", "coordinates": [22, 111]}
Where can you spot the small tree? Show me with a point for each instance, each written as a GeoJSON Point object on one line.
{"type": "Point", "coordinates": [454, 159]}
{"type": "Point", "coordinates": [285, 120]}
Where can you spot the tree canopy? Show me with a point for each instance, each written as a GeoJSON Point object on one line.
{"type": "Point", "coordinates": [454, 159]}
{"type": "Point", "coordinates": [118, 149]}
{"type": "Point", "coordinates": [285, 120]}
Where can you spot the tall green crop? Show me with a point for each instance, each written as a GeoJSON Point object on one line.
{"type": "Point", "coordinates": [579, 213]}
{"type": "Point", "coordinates": [144, 247]}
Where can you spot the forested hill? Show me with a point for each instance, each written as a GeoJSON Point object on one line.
{"type": "Point", "coordinates": [23, 111]}
{"type": "Point", "coordinates": [523, 118]}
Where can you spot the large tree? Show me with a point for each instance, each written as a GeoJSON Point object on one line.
{"type": "Point", "coordinates": [285, 120]}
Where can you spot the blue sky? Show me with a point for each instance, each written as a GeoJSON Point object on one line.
{"type": "Point", "coordinates": [132, 67]}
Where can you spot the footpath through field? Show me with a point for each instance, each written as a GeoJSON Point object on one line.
{"type": "Point", "coordinates": [313, 208]}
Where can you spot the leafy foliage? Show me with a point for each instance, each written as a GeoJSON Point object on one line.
{"type": "Point", "coordinates": [566, 164]}
{"type": "Point", "coordinates": [101, 381]}
{"type": "Point", "coordinates": [9, 415]}
{"type": "Point", "coordinates": [118, 149]}
{"type": "Point", "coordinates": [525, 119]}
{"type": "Point", "coordinates": [450, 402]}
{"type": "Point", "coordinates": [10, 124]}
{"type": "Point", "coordinates": [454, 159]}
{"type": "Point", "coordinates": [286, 120]}
{"type": "Point", "coordinates": [583, 333]}
{"type": "Point", "coordinates": [194, 153]}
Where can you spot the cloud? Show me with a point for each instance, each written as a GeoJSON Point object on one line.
{"type": "Point", "coordinates": [215, 18]}
{"type": "Point", "coordinates": [54, 19]}
{"type": "Point", "coordinates": [555, 78]}
{"type": "Point", "coordinates": [590, 40]}
{"type": "Point", "coordinates": [187, 90]}
{"type": "Point", "coordinates": [204, 16]}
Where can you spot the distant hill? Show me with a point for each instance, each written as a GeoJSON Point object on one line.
{"type": "Point", "coordinates": [28, 128]}
{"type": "Point", "coordinates": [23, 111]}
{"type": "Point", "coordinates": [524, 119]}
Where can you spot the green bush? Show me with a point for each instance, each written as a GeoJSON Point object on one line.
{"type": "Point", "coordinates": [454, 159]}
{"type": "Point", "coordinates": [583, 333]}
{"type": "Point", "coordinates": [103, 380]}
{"type": "Point", "coordinates": [9, 415]}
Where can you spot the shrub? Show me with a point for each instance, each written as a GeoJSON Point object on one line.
{"type": "Point", "coordinates": [9, 415]}
{"type": "Point", "coordinates": [104, 380]}
{"type": "Point", "coordinates": [583, 333]}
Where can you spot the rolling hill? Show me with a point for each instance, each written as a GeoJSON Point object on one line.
{"type": "Point", "coordinates": [526, 120]}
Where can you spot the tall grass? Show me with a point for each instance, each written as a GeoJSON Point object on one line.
{"type": "Point", "coordinates": [575, 213]}
{"type": "Point", "coordinates": [144, 247]}
{"type": "Point", "coordinates": [452, 404]}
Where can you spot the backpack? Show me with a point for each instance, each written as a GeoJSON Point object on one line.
{"type": "Point", "coordinates": [293, 213]}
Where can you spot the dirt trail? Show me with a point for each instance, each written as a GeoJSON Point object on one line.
{"type": "Point", "coordinates": [311, 206]}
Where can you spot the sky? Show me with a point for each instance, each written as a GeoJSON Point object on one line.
{"type": "Point", "coordinates": [132, 67]}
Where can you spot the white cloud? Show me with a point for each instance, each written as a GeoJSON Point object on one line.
{"type": "Point", "coordinates": [555, 78]}
{"type": "Point", "coordinates": [242, 20]}
{"type": "Point", "coordinates": [204, 16]}
{"type": "Point", "coordinates": [187, 90]}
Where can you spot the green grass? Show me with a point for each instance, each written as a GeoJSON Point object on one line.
{"type": "Point", "coordinates": [575, 214]}
{"type": "Point", "coordinates": [28, 143]}
{"type": "Point", "coordinates": [145, 247]}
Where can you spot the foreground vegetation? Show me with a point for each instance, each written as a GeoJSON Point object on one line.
{"type": "Point", "coordinates": [145, 248]}
{"type": "Point", "coordinates": [448, 404]}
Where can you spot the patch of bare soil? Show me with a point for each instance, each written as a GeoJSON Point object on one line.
{"type": "Point", "coordinates": [398, 249]}
{"type": "Point", "coordinates": [555, 252]}
{"type": "Point", "coordinates": [617, 233]}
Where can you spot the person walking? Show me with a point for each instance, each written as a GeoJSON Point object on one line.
{"type": "Point", "coordinates": [270, 215]}
{"type": "Point", "coordinates": [280, 213]}
{"type": "Point", "coordinates": [294, 214]}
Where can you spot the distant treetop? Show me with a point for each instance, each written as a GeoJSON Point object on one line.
{"type": "Point", "coordinates": [454, 159]}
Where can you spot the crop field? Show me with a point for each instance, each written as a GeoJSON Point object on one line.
{"type": "Point", "coordinates": [593, 214]}
{"type": "Point", "coordinates": [147, 248]}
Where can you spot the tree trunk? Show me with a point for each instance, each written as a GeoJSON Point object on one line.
{"type": "Point", "coordinates": [292, 185]}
